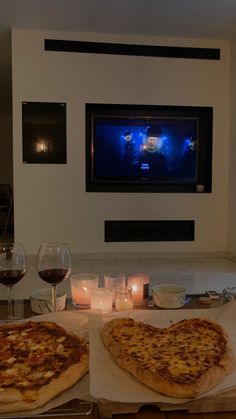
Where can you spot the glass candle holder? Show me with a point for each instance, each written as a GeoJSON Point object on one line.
{"type": "Point", "coordinates": [124, 300]}
{"type": "Point", "coordinates": [114, 281]}
{"type": "Point", "coordinates": [101, 299]}
{"type": "Point", "coordinates": [81, 286]}
{"type": "Point", "coordinates": [140, 288]}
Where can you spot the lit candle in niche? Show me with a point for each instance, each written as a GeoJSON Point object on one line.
{"type": "Point", "coordinates": [41, 146]}
{"type": "Point", "coordinates": [140, 285]}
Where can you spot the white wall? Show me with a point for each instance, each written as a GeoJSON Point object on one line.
{"type": "Point", "coordinates": [50, 200]}
{"type": "Point", "coordinates": [232, 156]}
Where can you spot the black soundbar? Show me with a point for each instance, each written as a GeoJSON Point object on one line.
{"type": "Point", "coordinates": [149, 230]}
{"type": "Point", "coordinates": [131, 49]}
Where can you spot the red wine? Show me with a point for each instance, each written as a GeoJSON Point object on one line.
{"type": "Point", "coordinates": [11, 276]}
{"type": "Point", "coordinates": [53, 276]}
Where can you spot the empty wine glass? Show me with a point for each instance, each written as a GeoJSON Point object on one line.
{"type": "Point", "coordinates": [12, 268]}
{"type": "Point", "coordinates": [54, 265]}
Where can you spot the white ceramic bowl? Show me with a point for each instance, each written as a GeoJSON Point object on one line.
{"type": "Point", "coordinates": [41, 300]}
{"type": "Point", "coordinates": [168, 295]}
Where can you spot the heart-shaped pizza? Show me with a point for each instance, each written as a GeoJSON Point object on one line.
{"type": "Point", "coordinates": [184, 360]}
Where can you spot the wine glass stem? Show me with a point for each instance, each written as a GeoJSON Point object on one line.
{"type": "Point", "coordinates": [9, 303]}
{"type": "Point", "coordinates": [54, 298]}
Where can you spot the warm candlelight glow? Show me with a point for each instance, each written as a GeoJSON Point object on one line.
{"type": "Point", "coordinates": [124, 299]}
{"type": "Point", "coordinates": [81, 285]}
{"type": "Point", "coordinates": [81, 295]}
{"type": "Point", "coordinates": [122, 305]}
{"type": "Point", "coordinates": [42, 146]}
{"type": "Point", "coordinates": [114, 281]}
{"type": "Point", "coordinates": [101, 299]}
{"type": "Point", "coordinates": [139, 284]}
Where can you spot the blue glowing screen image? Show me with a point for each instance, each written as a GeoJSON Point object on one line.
{"type": "Point", "coordinates": [146, 149]}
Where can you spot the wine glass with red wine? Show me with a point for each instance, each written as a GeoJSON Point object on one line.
{"type": "Point", "coordinates": [12, 268]}
{"type": "Point", "coordinates": [54, 265]}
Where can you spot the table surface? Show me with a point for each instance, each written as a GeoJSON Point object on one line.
{"type": "Point", "coordinates": [76, 410]}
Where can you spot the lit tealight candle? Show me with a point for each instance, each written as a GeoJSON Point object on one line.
{"type": "Point", "coordinates": [81, 285]}
{"type": "Point", "coordinates": [124, 299]}
{"type": "Point", "coordinates": [140, 285]}
{"type": "Point", "coordinates": [81, 295]}
{"type": "Point", "coordinates": [101, 299]}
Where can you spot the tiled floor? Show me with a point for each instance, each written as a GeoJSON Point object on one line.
{"type": "Point", "coordinates": [195, 273]}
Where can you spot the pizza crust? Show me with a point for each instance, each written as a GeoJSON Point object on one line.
{"type": "Point", "coordinates": [204, 382]}
{"type": "Point", "coordinates": [46, 393]}
{"type": "Point", "coordinates": [12, 399]}
{"type": "Point", "coordinates": [173, 389]}
{"type": "Point", "coordinates": [10, 396]}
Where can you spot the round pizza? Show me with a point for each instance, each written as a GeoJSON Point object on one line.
{"type": "Point", "coordinates": [184, 360]}
{"type": "Point", "coordinates": [38, 360]}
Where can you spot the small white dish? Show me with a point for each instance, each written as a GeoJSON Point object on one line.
{"type": "Point", "coordinates": [41, 300]}
{"type": "Point", "coordinates": [168, 296]}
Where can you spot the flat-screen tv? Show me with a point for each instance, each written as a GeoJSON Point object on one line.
{"type": "Point", "coordinates": [142, 148]}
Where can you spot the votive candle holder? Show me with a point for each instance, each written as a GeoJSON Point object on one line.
{"type": "Point", "coordinates": [101, 299]}
{"type": "Point", "coordinates": [81, 286]}
{"type": "Point", "coordinates": [139, 282]}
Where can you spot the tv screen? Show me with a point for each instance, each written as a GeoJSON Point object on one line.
{"type": "Point", "coordinates": [135, 148]}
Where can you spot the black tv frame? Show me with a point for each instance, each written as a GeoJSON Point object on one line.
{"type": "Point", "coordinates": [205, 140]}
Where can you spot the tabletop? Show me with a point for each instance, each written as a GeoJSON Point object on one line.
{"type": "Point", "coordinates": [105, 409]}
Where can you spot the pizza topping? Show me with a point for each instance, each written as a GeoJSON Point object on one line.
{"type": "Point", "coordinates": [35, 358]}
{"type": "Point", "coordinates": [31, 354]}
{"type": "Point", "coordinates": [49, 374]}
{"type": "Point", "coordinates": [179, 354]}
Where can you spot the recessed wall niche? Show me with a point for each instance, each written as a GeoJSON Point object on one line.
{"type": "Point", "coordinates": [44, 132]}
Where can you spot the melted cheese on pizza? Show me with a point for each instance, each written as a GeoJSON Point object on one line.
{"type": "Point", "coordinates": [31, 354]}
{"type": "Point", "coordinates": [180, 353]}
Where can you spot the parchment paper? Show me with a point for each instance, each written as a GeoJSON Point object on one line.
{"type": "Point", "coordinates": [109, 381]}
{"type": "Point", "coordinates": [78, 324]}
